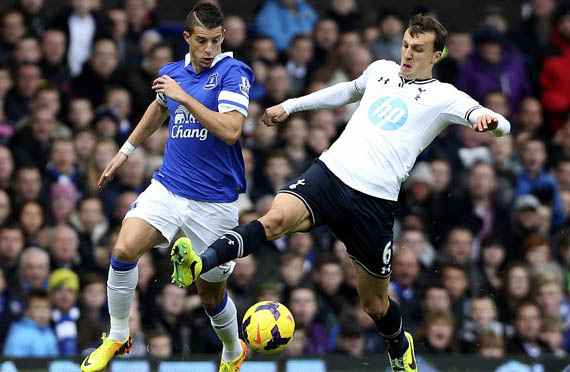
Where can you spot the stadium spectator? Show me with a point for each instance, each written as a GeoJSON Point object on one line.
{"type": "Point", "coordinates": [242, 283]}
{"type": "Point", "coordinates": [347, 14]}
{"type": "Point", "coordinates": [529, 117]}
{"type": "Point", "coordinates": [415, 241]}
{"type": "Point", "coordinates": [350, 338]}
{"type": "Point", "coordinates": [32, 336]}
{"type": "Point", "coordinates": [524, 221]}
{"type": "Point", "coordinates": [5, 207]}
{"type": "Point", "coordinates": [159, 344]}
{"type": "Point", "coordinates": [127, 48]}
{"type": "Point", "coordinates": [299, 56]}
{"type": "Point", "coordinates": [93, 317]}
{"type": "Point", "coordinates": [551, 333]}
{"type": "Point", "coordinates": [27, 80]}
{"type": "Point", "coordinates": [494, 66]}
{"type": "Point", "coordinates": [328, 277]}
{"type": "Point", "coordinates": [497, 101]}
{"type": "Point", "coordinates": [389, 43]}
{"type": "Point", "coordinates": [435, 298]}
{"type": "Point", "coordinates": [458, 248]}
{"type": "Point", "coordinates": [169, 318]}
{"type": "Point", "coordinates": [63, 288]}
{"type": "Point", "coordinates": [235, 40]}
{"type": "Point", "coordinates": [27, 185]}
{"type": "Point", "coordinates": [534, 179]}
{"type": "Point", "coordinates": [437, 333]}
{"type": "Point", "coordinates": [139, 80]}
{"type": "Point", "coordinates": [11, 246]}
{"type": "Point", "coordinates": [456, 281]}
{"type": "Point", "coordinates": [483, 318]}
{"type": "Point", "coordinates": [27, 50]}
{"type": "Point", "coordinates": [64, 249]}
{"type": "Point", "coordinates": [32, 219]}
{"type": "Point", "coordinates": [54, 64]}
{"type": "Point", "coordinates": [13, 29]}
{"type": "Point", "coordinates": [303, 304]}
{"type": "Point", "coordinates": [101, 70]}
{"type": "Point", "coordinates": [405, 282]}
{"type": "Point", "coordinates": [283, 19]}
{"type": "Point", "coordinates": [325, 37]}
{"type": "Point", "coordinates": [35, 14]}
{"type": "Point", "coordinates": [527, 323]}
{"type": "Point", "coordinates": [459, 47]}
{"type": "Point", "coordinates": [82, 26]}
{"type": "Point", "coordinates": [488, 273]}
{"type": "Point", "coordinates": [550, 296]}
{"type": "Point", "coordinates": [63, 199]}
{"type": "Point", "coordinates": [491, 345]}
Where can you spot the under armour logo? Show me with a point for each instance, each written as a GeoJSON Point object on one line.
{"type": "Point", "coordinates": [386, 269]}
{"type": "Point", "coordinates": [385, 81]}
{"type": "Point", "coordinates": [301, 182]}
{"type": "Point", "coordinates": [419, 93]}
{"type": "Point", "coordinates": [230, 242]}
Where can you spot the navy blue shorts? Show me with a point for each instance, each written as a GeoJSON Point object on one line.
{"type": "Point", "coordinates": [362, 222]}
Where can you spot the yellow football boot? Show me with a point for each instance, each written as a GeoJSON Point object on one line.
{"type": "Point", "coordinates": [187, 264]}
{"type": "Point", "coordinates": [407, 362]}
{"type": "Point", "coordinates": [98, 360]}
{"type": "Point", "coordinates": [235, 365]}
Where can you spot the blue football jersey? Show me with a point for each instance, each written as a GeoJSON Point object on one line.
{"type": "Point", "coordinates": [197, 165]}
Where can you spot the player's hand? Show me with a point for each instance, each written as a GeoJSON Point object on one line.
{"type": "Point", "coordinates": [109, 171]}
{"type": "Point", "coordinates": [486, 123]}
{"type": "Point", "coordinates": [274, 115]}
{"type": "Point", "coordinates": [169, 87]}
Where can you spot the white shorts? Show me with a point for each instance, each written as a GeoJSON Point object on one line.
{"type": "Point", "coordinates": [202, 222]}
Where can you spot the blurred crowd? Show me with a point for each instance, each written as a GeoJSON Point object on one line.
{"type": "Point", "coordinates": [482, 255]}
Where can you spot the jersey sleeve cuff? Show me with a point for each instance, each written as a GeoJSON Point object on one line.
{"type": "Point", "coordinates": [161, 99]}
{"type": "Point", "coordinates": [232, 101]}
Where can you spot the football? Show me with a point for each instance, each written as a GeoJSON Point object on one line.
{"type": "Point", "coordinates": [268, 327]}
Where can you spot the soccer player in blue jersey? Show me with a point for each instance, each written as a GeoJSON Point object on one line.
{"type": "Point", "coordinates": [194, 190]}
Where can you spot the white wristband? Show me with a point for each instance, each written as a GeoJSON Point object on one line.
{"type": "Point", "coordinates": [127, 148]}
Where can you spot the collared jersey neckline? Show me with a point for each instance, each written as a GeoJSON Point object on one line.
{"type": "Point", "coordinates": [218, 58]}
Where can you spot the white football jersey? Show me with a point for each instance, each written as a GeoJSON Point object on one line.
{"type": "Point", "coordinates": [395, 121]}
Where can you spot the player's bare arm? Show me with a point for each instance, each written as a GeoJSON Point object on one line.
{"type": "Point", "coordinates": [152, 119]}
{"type": "Point", "coordinates": [226, 126]}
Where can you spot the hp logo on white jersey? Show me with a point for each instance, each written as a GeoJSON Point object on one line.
{"type": "Point", "coordinates": [388, 113]}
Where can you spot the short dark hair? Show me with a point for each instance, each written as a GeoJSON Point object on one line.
{"type": "Point", "coordinates": [206, 15]}
{"type": "Point", "coordinates": [36, 294]}
{"type": "Point", "coordinates": [420, 24]}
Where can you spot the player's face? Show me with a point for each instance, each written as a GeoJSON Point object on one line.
{"type": "Point", "coordinates": [204, 45]}
{"type": "Point", "coordinates": [418, 55]}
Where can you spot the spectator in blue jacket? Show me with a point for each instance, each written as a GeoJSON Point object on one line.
{"type": "Point", "coordinates": [32, 336]}
{"type": "Point", "coordinates": [283, 19]}
{"type": "Point", "coordinates": [534, 179]}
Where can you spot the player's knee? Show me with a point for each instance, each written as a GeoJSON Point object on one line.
{"type": "Point", "coordinates": [274, 223]}
{"type": "Point", "coordinates": [211, 299]}
{"type": "Point", "coordinates": [376, 307]}
{"type": "Point", "coordinates": [125, 252]}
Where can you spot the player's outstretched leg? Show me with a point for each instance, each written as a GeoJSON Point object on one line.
{"type": "Point", "coordinates": [135, 238]}
{"type": "Point", "coordinates": [288, 214]}
{"type": "Point", "coordinates": [386, 314]}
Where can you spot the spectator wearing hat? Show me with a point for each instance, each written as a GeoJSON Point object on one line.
{"type": "Point", "coordinates": [534, 179]}
{"type": "Point", "coordinates": [418, 189]}
{"type": "Point", "coordinates": [63, 288]}
{"type": "Point", "coordinates": [495, 66]}
{"type": "Point", "coordinates": [524, 222]}
{"type": "Point", "coordinates": [32, 336]}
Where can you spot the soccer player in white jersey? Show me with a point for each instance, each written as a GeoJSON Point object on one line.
{"type": "Point", "coordinates": [353, 187]}
{"type": "Point", "coordinates": [194, 190]}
